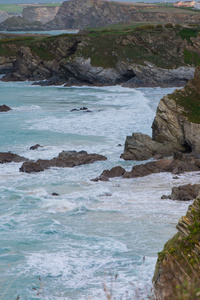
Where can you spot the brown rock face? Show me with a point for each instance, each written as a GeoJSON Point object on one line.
{"type": "Point", "coordinates": [6, 157]}
{"type": "Point", "coordinates": [184, 192]}
{"type": "Point", "coordinates": [177, 273]}
{"type": "Point", "coordinates": [65, 159]}
{"type": "Point", "coordinates": [176, 126]}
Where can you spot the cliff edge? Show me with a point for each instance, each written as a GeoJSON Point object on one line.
{"type": "Point", "coordinates": [177, 273]}
{"type": "Point", "coordinates": [176, 126]}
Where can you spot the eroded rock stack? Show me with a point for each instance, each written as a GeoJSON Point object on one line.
{"type": "Point", "coordinates": [176, 126]}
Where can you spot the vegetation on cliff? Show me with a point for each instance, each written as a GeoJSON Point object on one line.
{"type": "Point", "coordinates": [189, 98]}
{"type": "Point", "coordinates": [177, 274]}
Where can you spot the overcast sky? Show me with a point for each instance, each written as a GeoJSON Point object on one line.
{"type": "Point", "coordinates": [58, 1]}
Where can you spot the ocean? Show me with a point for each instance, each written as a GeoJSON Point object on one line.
{"type": "Point", "coordinates": [95, 239]}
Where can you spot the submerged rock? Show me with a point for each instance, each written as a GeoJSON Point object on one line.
{"type": "Point", "coordinates": [176, 126]}
{"type": "Point", "coordinates": [65, 159]}
{"type": "Point", "coordinates": [6, 157]}
{"type": "Point", "coordinates": [4, 108]}
{"type": "Point", "coordinates": [35, 147]}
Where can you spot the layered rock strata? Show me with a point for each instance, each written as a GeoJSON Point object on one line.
{"type": "Point", "coordinates": [176, 126]}
{"type": "Point", "coordinates": [177, 273]}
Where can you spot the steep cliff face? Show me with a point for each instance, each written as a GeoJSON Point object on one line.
{"type": "Point", "coordinates": [95, 13]}
{"type": "Point", "coordinates": [3, 16]}
{"type": "Point", "coordinates": [177, 273]}
{"type": "Point", "coordinates": [140, 58]}
{"type": "Point", "coordinates": [84, 13]}
{"type": "Point", "coordinates": [42, 14]}
{"type": "Point", "coordinates": [175, 127]}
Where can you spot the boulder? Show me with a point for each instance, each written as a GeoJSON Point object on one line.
{"type": "Point", "coordinates": [65, 159]}
{"type": "Point", "coordinates": [4, 108]}
{"type": "Point", "coordinates": [6, 157]}
{"type": "Point", "coordinates": [184, 192]}
{"type": "Point", "coordinates": [176, 126]}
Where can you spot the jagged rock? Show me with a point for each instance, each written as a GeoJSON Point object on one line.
{"type": "Point", "coordinates": [35, 147]}
{"type": "Point", "coordinates": [175, 166]}
{"type": "Point", "coordinates": [177, 270]}
{"type": "Point", "coordinates": [65, 159]}
{"type": "Point", "coordinates": [184, 192]}
{"type": "Point", "coordinates": [6, 157]}
{"type": "Point", "coordinates": [4, 108]}
{"type": "Point", "coordinates": [141, 147]}
{"type": "Point", "coordinates": [114, 172]}
{"type": "Point", "coordinates": [18, 23]}
{"type": "Point", "coordinates": [176, 126]}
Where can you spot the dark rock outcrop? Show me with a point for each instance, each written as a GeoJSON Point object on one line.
{"type": "Point", "coordinates": [6, 157]}
{"type": "Point", "coordinates": [176, 166]}
{"type": "Point", "coordinates": [65, 159]}
{"type": "Point", "coordinates": [35, 147]}
{"type": "Point", "coordinates": [177, 272]}
{"type": "Point", "coordinates": [4, 108]}
{"type": "Point", "coordinates": [18, 23]}
{"type": "Point", "coordinates": [176, 126]}
{"type": "Point", "coordinates": [184, 192]}
{"type": "Point", "coordinates": [114, 172]}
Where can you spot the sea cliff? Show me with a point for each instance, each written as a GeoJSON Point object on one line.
{"type": "Point", "coordinates": [176, 126]}
{"type": "Point", "coordinates": [133, 57]}
{"type": "Point", "coordinates": [177, 274]}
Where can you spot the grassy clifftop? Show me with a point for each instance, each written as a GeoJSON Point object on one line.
{"type": "Point", "coordinates": [165, 46]}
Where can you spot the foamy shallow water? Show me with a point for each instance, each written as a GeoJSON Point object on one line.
{"type": "Point", "coordinates": [67, 247]}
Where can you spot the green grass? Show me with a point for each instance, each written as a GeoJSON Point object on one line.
{"type": "Point", "coordinates": [189, 99]}
{"type": "Point", "coordinates": [191, 58]}
{"type": "Point", "coordinates": [187, 33]}
{"type": "Point", "coordinates": [11, 8]}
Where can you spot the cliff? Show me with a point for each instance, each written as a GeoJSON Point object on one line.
{"type": "Point", "coordinates": [42, 14]}
{"type": "Point", "coordinates": [94, 13]}
{"type": "Point", "coordinates": [176, 126]}
{"type": "Point", "coordinates": [133, 57]}
{"type": "Point", "coordinates": [177, 273]}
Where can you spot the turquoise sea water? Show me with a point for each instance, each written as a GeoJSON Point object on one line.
{"type": "Point", "coordinates": [71, 246]}
{"type": "Point", "coordinates": [51, 32]}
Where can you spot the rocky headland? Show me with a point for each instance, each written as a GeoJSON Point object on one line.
{"type": "Point", "coordinates": [140, 57]}
{"type": "Point", "coordinates": [176, 126]}
{"type": "Point", "coordinates": [79, 14]}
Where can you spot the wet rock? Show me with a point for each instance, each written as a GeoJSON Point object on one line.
{"type": "Point", "coordinates": [4, 108]}
{"type": "Point", "coordinates": [166, 197]}
{"type": "Point", "coordinates": [29, 167]}
{"type": "Point", "coordinates": [158, 156]}
{"type": "Point", "coordinates": [119, 145]}
{"type": "Point", "coordinates": [35, 147]}
{"type": "Point", "coordinates": [6, 157]}
{"type": "Point", "coordinates": [188, 163]}
{"type": "Point", "coordinates": [185, 192]}
{"type": "Point", "coordinates": [114, 172]}
{"type": "Point", "coordinates": [175, 177]}
{"type": "Point", "coordinates": [55, 194]}
{"type": "Point", "coordinates": [83, 108]}
{"type": "Point", "coordinates": [65, 159]}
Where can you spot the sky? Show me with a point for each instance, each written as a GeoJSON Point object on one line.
{"type": "Point", "coordinates": [58, 1]}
